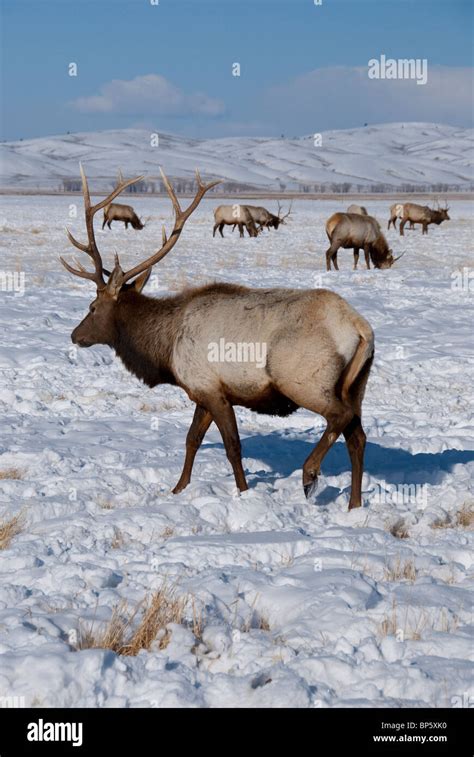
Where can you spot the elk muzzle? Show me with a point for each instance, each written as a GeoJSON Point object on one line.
{"type": "Point", "coordinates": [80, 339]}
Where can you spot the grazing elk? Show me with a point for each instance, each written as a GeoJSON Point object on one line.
{"type": "Point", "coordinates": [265, 219]}
{"type": "Point", "coordinates": [125, 213]}
{"type": "Point", "coordinates": [234, 215]}
{"type": "Point", "coordinates": [359, 209]}
{"type": "Point", "coordinates": [319, 350]}
{"type": "Point", "coordinates": [413, 213]}
{"type": "Point", "coordinates": [352, 230]}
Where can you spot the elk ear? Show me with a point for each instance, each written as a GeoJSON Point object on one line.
{"type": "Point", "coordinates": [141, 280]}
{"type": "Point", "coordinates": [115, 282]}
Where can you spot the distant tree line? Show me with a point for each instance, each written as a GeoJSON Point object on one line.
{"type": "Point", "coordinates": [189, 186]}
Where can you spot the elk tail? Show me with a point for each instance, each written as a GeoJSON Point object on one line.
{"type": "Point", "coordinates": [364, 352]}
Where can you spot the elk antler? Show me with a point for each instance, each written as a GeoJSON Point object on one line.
{"type": "Point", "coordinates": [282, 218]}
{"type": "Point", "coordinates": [97, 276]}
{"type": "Point", "coordinates": [181, 216]}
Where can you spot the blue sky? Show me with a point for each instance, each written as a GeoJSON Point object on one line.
{"type": "Point", "coordinates": [303, 67]}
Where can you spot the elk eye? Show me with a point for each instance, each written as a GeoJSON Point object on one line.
{"type": "Point", "coordinates": [92, 309]}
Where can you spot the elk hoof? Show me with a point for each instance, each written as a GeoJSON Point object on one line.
{"type": "Point", "coordinates": [353, 505]}
{"type": "Point", "coordinates": [311, 489]}
{"type": "Point", "coordinates": [179, 488]}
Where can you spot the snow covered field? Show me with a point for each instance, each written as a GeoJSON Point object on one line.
{"type": "Point", "coordinates": [300, 604]}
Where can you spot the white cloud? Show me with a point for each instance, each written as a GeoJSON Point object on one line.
{"type": "Point", "coordinates": [148, 95]}
{"type": "Point", "coordinates": [343, 96]}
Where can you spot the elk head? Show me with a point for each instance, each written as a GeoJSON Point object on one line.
{"type": "Point", "coordinates": [442, 214]}
{"type": "Point", "coordinates": [279, 219]}
{"type": "Point", "coordinates": [382, 255]}
{"type": "Point", "coordinates": [100, 324]}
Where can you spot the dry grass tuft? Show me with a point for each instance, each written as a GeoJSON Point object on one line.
{"type": "Point", "coordinates": [399, 530]}
{"type": "Point", "coordinates": [118, 539]}
{"type": "Point", "coordinates": [400, 569]}
{"type": "Point", "coordinates": [255, 620]}
{"type": "Point", "coordinates": [167, 532]}
{"type": "Point", "coordinates": [463, 518]}
{"type": "Point", "coordinates": [9, 529]}
{"type": "Point", "coordinates": [12, 473]}
{"type": "Point", "coordinates": [412, 628]}
{"type": "Point", "coordinates": [105, 504]}
{"type": "Point", "coordinates": [131, 630]}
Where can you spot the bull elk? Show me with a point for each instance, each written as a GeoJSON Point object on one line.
{"type": "Point", "coordinates": [319, 350]}
{"type": "Point", "coordinates": [352, 230]}
{"type": "Point", "coordinates": [234, 215]}
{"type": "Point", "coordinates": [265, 219]}
{"type": "Point", "coordinates": [413, 213]}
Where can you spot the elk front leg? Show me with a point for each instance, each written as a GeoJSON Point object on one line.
{"type": "Point", "coordinates": [224, 417]}
{"type": "Point", "coordinates": [356, 257]}
{"type": "Point", "coordinates": [367, 257]}
{"type": "Point", "coordinates": [402, 226]}
{"type": "Point", "coordinates": [201, 421]}
{"type": "Point", "coordinates": [355, 440]}
{"type": "Point", "coordinates": [425, 228]}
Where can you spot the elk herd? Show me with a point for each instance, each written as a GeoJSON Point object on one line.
{"type": "Point", "coordinates": [354, 229]}
{"type": "Point", "coordinates": [318, 349]}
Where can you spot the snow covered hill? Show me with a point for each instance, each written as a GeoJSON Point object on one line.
{"type": "Point", "coordinates": [399, 155]}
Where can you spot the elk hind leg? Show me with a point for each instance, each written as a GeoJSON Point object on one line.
{"type": "Point", "coordinates": [356, 257]}
{"type": "Point", "coordinates": [355, 440]}
{"type": "Point", "coordinates": [355, 436]}
{"type": "Point", "coordinates": [337, 419]}
{"type": "Point", "coordinates": [331, 256]}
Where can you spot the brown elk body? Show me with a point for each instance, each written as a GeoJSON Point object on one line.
{"type": "Point", "coordinates": [318, 351]}
{"type": "Point", "coordinates": [422, 214]}
{"type": "Point", "coordinates": [115, 211]}
{"type": "Point", "coordinates": [413, 213]}
{"type": "Point", "coordinates": [234, 215]}
{"type": "Point", "coordinates": [352, 230]}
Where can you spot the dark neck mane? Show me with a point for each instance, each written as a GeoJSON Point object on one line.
{"type": "Point", "coordinates": [145, 335]}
